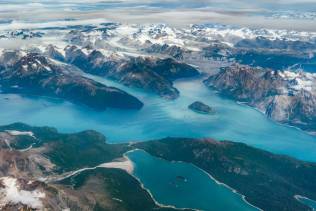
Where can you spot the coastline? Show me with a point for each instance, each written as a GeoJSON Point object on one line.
{"type": "Point", "coordinates": [245, 104]}
{"type": "Point", "coordinates": [209, 175]}
{"type": "Point", "coordinates": [310, 133]}
{"type": "Point", "coordinates": [299, 198]}
{"type": "Point", "coordinates": [148, 191]}
{"type": "Point", "coordinates": [225, 185]}
{"type": "Point", "coordinates": [123, 163]}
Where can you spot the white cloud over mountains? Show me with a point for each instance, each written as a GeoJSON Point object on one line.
{"type": "Point", "coordinates": [240, 12]}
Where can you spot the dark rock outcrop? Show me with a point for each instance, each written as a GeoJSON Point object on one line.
{"type": "Point", "coordinates": [22, 34]}
{"type": "Point", "coordinates": [165, 49]}
{"type": "Point", "coordinates": [53, 53]}
{"type": "Point", "coordinates": [200, 107]}
{"type": "Point", "coordinates": [151, 74]}
{"type": "Point", "coordinates": [36, 75]}
{"type": "Point", "coordinates": [268, 91]}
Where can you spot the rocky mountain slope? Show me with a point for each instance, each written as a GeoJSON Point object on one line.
{"type": "Point", "coordinates": [54, 171]}
{"type": "Point", "coordinates": [34, 74]}
{"type": "Point", "coordinates": [152, 56]}
{"type": "Point", "coordinates": [284, 96]}
{"type": "Point", "coordinates": [148, 73]}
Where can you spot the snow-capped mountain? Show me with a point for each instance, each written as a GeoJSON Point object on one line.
{"type": "Point", "coordinates": [152, 56]}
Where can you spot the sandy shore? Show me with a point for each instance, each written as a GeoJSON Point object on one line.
{"type": "Point", "coordinates": [20, 133]}
{"type": "Point", "coordinates": [125, 165]}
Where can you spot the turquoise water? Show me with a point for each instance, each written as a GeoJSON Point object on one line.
{"type": "Point", "coordinates": [161, 118]}
{"type": "Point", "coordinates": [197, 190]}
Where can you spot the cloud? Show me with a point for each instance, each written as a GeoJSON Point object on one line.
{"type": "Point", "coordinates": [36, 13]}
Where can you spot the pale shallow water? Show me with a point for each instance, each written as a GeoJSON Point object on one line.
{"type": "Point", "coordinates": [195, 190]}
{"type": "Point", "coordinates": [161, 118]}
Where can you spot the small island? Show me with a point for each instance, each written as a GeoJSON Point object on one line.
{"type": "Point", "coordinates": [201, 108]}
{"type": "Point", "coordinates": [181, 178]}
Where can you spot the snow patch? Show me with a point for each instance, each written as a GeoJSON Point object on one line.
{"type": "Point", "coordinates": [299, 80]}
{"type": "Point", "coordinates": [11, 193]}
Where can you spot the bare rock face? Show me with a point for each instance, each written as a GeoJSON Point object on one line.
{"type": "Point", "coordinates": [245, 83]}
{"type": "Point", "coordinates": [141, 73]}
{"type": "Point", "coordinates": [54, 171]}
{"type": "Point", "coordinates": [148, 73]}
{"type": "Point", "coordinates": [53, 53]}
{"type": "Point", "coordinates": [174, 51]}
{"type": "Point", "coordinates": [284, 96]}
{"type": "Point", "coordinates": [36, 75]}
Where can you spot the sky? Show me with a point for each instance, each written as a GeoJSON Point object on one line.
{"type": "Point", "coordinates": [250, 13]}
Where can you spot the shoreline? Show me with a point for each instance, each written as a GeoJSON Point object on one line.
{"type": "Point", "coordinates": [148, 191]}
{"type": "Point", "coordinates": [211, 177]}
{"type": "Point", "coordinates": [243, 197]}
{"type": "Point", "coordinates": [123, 163]}
{"type": "Point", "coordinates": [299, 198]}
{"type": "Point", "coordinates": [306, 132]}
